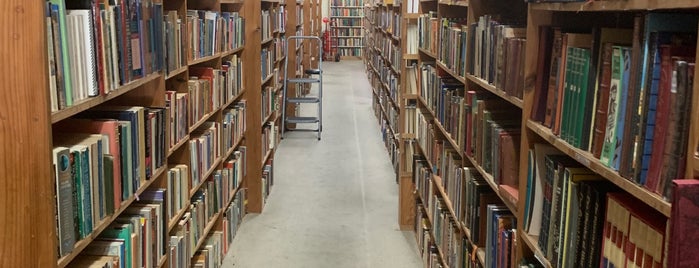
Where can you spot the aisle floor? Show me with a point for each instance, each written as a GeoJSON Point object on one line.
{"type": "Point", "coordinates": [335, 201]}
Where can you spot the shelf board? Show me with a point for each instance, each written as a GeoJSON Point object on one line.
{"type": "Point", "coordinates": [86, 104]}
{"type": "Point", "coordinates": [269, 153]}
{"type": "Point", "coordinates": [451, 72]}
{"type": "Point", "coordinates": [176, 72]}
{"type": "Point", "coordinates": [203, 178]}
{"type": "Point", "coordinates": [204, 59]}
{"type": "Point", "coordinates": [347, 17]}
{"type": "Point", "coordinates": [267, 79]}
{"type": "Point", "coordinates": [267, 41]}
{"type": "Point", "coordinates": [162, 260]}
{"type": "Point", "coordinates": [447, 136]}
{"type": "Point", "coordinates": [173, 222]}
{"type": "Point", "coordinates": [202, 120]}
{"type": "Point", "coordinates": [499, 92]}
{"type": "Point", "coordinates": [346, 6]}
{"type": "Point", "coordinates": [461, 3]}
{"type": "Point", "coordinates": [207, 229]}
{"type": "Point", "coordinates": [232, 1]}
{"type": "Point", "coordinates": [82, 244]}
{"type": "Point", "coordinates": [178, 145]}
{"type": "Point", "coordinates": [533, 243]}
{"type": "Point", "coordinates": [268, 117]}
{"type": "Point", "coordinates": [279, 60]}
{"type": "Point", "coordinates": [510, 202]}
{"type": "Point", "coordinates": [233, 51]}
{"type": "Point", "coordinates": [388, 93]}
{"type": "Point", "coordinates": [411, 56]}
{"type": "Point", "coordinates": [594, 164]}
{"type": "Point", "coordinates": [626, 5]}
{"type": "Point", "coordinates": [480, 254]}
{"type": "Point", "coordinates": [428, 53]}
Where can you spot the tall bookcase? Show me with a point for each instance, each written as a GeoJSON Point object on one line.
{"type": "Point", "coordinates": [231, 180]}
{"type": "Point", "coordinates": [347, 17]}
{"type": "Point", "coordinates": [470, 119]}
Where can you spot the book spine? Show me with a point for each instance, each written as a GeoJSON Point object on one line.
{"type": "Point", "coordinates": [600, 125]}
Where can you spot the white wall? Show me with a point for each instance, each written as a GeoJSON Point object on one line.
{"type": "Point", "coordinates": [324, 9]}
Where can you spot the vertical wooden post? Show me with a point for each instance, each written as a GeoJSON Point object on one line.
{"type": "Point", "coordinates": [253, 81]}
{"type": "Point", "coordinates": [27, 211]}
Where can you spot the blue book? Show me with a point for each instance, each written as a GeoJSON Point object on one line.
{"type": "Point", "coordinates": [621, 114]}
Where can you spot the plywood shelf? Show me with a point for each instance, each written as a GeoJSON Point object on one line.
{"type": "Point", "coordinates": [499, 92]}
{"type": "Point", "coordinates": [86, 104]}
{"type": "Point", "coordinates": [607, 5]}
{"type": "Point", "coordinates": [588, 160]}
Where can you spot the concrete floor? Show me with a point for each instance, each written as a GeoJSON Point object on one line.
{"type": "Point", "coordinates": [335, 201]}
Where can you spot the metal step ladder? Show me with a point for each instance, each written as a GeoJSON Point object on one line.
{"type": "Point", "coordinates": [314, 76]}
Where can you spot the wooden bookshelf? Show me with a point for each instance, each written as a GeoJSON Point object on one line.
{"type": "Point", "coordinates": [343, 14]}
{"type": "Point", "coordinates": [27, 113]}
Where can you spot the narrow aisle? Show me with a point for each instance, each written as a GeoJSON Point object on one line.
{"type": "Point", "coordinates": [335, 201]}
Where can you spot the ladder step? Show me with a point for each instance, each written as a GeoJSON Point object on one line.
{"type": "Point", "coordinates": [302, 130]}
{"type": "Point", "coordinates": [302, 120]}
{"type": "Point", "coordinates": [304, 100]}
{"type": "Point", "coordinates": [313, 71]}
{"type": "Point", "coordinates": [303, 80]}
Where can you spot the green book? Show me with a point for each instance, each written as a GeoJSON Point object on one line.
{"type": "Point", "coordinates": [64, 50]}
{"type": "Point", "coordinates": [109, 183]}
{"type": "Point", "coordinates": [583, 91]}
{"type": "Point", "coordinates": [121, 232]}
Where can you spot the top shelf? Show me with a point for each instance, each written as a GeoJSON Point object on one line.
{"type": "Point", "coordinates": [462, 3]}
{"type": "Point", "coordinates": [626, 5]}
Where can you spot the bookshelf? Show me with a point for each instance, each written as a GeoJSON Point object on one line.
{"type": "Point", "coordinates": [443, 161]}
{"type": "Point", "coordinates": [347, 16]}
{"type": "Point", "coordinates": [169, 76]}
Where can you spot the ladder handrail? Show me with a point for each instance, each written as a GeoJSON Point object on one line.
{"type": "Point", "coordinates": [286, 78]}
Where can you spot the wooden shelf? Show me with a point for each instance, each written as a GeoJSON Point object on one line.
{"type": "Point", "coordinates": [86, 104]}
{"type": "Point", "coordinates": [162, 260]}
{"type": "Point", "coordinates": [499, 92]}
{"type": "Point", "coordinates": [454, 3]}
{"type": "Point", "coordinates": [201, 121]}
{"type": "Point", "coordinates": [176, 72]}
{"type": "Point", "coordinates": [428, 53]}
{"type": "Point", "coordinates": [510, 202]}
{"type": "Point", "coordinates": [231, 52]}
{"type": "Point", "coordinates": [267, 79]}
{"type": "Point", "coordinates": [232, 1]}
{"type": "Point", "coordinates": [447, 136]}
{"type": "Point", "coordinates": [267, 41]}
{"type": "Point", "coordinates": [627, 5]}
{"type": "Point", "coordinates": [178, 145]}
{"type": "Point", "coordinates": [269, 153]}
{"type": "Point", "coordinates": [204, 177]}
{"type": "Point", "coordinates": [411, 56]}
{"type": "Point", "coordinates": [207, 229]}
{"type": "Point", "coordinates": [533, 243]}
{"type": "Point", "coordinates": [173, 222]}
{"type": "Point", "coordinates": [594, 164]}
{"type": "Point", "coordinates": [450, 72]}
{"type": "Point", "coordinates": [204, 59]}
{"type": "Point", "coordinates": [83, 243]}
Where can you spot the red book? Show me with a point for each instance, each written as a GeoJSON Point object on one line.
{"type": "Point", "coordinates": [600, 127]}
{"type": "Point", "coordinates": [684, 227]}
{"type": "Point", "coordinates": [542, 73]}
{"type": "Point", "coordinates": [101, 80]}
{"type": "Point", "coordinates": [560, 86]}
{"type": "Point", "coordinates": [552, 78]}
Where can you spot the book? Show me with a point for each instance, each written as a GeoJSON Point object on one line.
{"type": "Point", "coordinates": [682, 224]}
